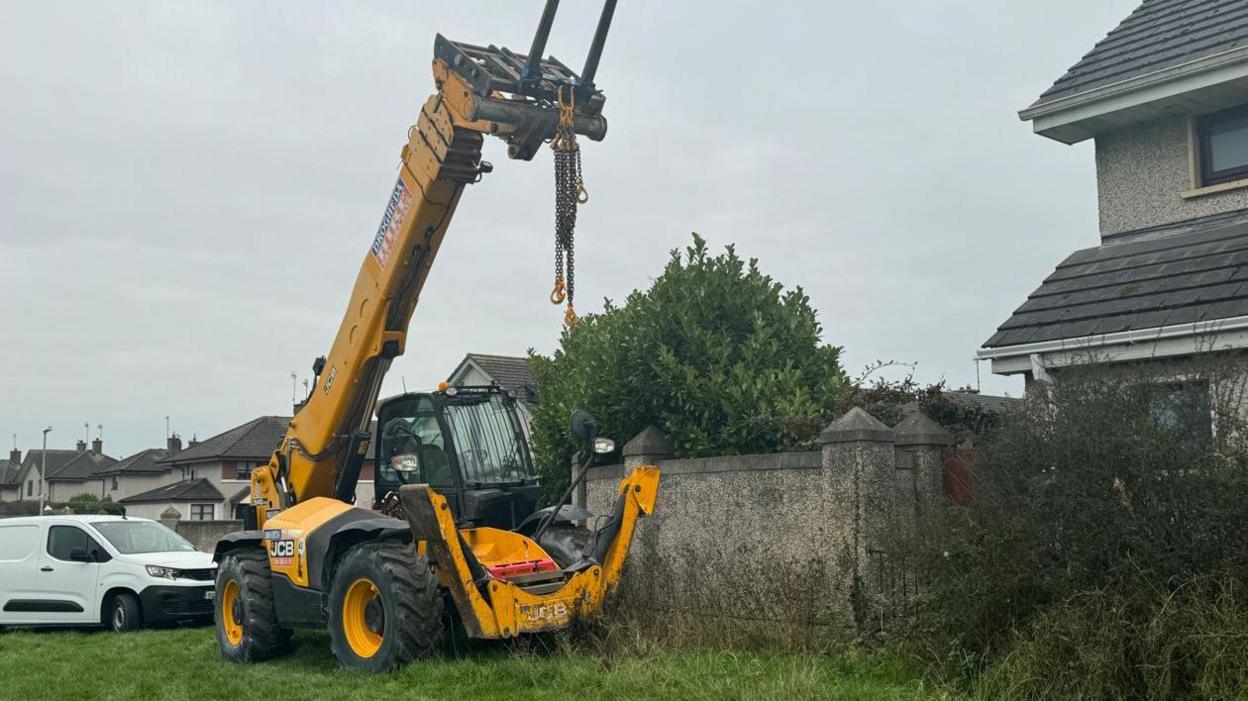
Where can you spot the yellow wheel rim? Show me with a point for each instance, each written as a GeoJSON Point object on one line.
{"type": "Point", "coordinates": [363, 624]}
{"type": "Point", "coordinates": [229, 621]}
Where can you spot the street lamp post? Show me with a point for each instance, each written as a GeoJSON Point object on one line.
{"type": "Point", "coordinates": [43, 470]}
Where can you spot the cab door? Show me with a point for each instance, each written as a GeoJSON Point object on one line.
{"type": "Point", "coordinates": [69, 572]}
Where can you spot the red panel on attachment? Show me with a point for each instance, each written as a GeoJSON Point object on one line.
{"type": "Point", "coordinates": [513, 569]}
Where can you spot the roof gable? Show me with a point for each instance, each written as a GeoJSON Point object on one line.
{"type": "Point", "coordinates": [1159, 34]}
{"type": "Point", "coordinates": [508, 371]}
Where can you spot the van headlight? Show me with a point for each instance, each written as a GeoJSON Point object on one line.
{"type": "Point", "coordinates": [164, 572]}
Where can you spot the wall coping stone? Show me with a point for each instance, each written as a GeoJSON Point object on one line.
{"type": "Point", "coordinates": [650, 441]}
{"type": "Point", "coordinates": [857, 426]}
{"type": "Point", "coordinates": [812, 460]}
{"type": "Point", "coordinates": [919, 429]}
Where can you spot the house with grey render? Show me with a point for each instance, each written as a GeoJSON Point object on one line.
{"type": "Point", "coordinates": [1164, 98]}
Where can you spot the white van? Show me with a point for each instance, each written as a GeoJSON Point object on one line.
{"type": "Point", "coordinates": [100, 570]}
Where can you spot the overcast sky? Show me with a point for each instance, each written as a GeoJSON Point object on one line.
{"type": "Point", "coordinates": [187, 189]}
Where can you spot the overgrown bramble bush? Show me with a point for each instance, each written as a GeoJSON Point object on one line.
{"type": "Point", "coordinates": [716, 354]}
{"type": "Point", "coordinates": [1109, 538]}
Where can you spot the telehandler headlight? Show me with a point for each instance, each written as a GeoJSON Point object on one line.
{"type": "Point", "coordinates": [405, 463]}
{"type": "Point", "coordinates": [602, 446]}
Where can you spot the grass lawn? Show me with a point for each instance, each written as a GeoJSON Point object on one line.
{"type": "Point", "coordinates": [185, 664]}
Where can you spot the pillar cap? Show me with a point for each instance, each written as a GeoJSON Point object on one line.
{"type": "Point", "coordinates": [650, 441]}
{"type": "Point", "coordinates": [856, 426]}
{"type": "Point", "coordinates": [918, 429]}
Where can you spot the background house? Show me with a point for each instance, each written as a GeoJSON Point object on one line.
{"type": "Point", "coordinates": [226, 460]}
{"type": "Point", "coordinates": [509, 372]}
{"type": "Point", "coordinates": [138, 473]}
{"type": "Point", "coordinates": [78, 475]}
{"type": "Point", "coordinates": [1164, 96]}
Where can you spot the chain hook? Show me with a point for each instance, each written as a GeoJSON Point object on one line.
{"type": "Point", "coordinates": [557, 295]}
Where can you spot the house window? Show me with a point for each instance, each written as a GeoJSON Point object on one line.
{"type": "Point", "coordinates": [30, 487]}
{"type": "Point", "coordinates": [114, 483]}
{"type": "Point", "coordinates": [203, 512]}
{"type": "Point", "coordinates": [242, 470]}
{"type": "Point", "coordinates": [1185, 407]}
{"type": "Point", "coordinates": [1223, 138]}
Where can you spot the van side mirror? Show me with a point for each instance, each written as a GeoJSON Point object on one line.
{"type": "Point", "coordinates": [99, 555]}
{"type": "Point", "coordinates": [78, 554]}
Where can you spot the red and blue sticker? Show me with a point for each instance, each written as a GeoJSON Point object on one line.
{"type": "Point", "coordinates": [388, 232]}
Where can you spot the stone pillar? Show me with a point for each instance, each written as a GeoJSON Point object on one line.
{"type": "Point", "coordinates": [921, 446]}
{"type": "Point", "coordinates": [859, 488]}
{"type": "Point", "coordinates": [170, 518]}
{"type": "Point", "coordinates": [647, 448]}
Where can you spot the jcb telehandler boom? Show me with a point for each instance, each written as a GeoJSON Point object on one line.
{"type": "Point", "coordinates": [309, 558]}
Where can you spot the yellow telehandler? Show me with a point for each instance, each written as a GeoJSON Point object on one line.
{"type": "Point", "coordinates": [455, 537]}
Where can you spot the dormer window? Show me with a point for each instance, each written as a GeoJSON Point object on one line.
{"type": "Point", "coordinates": [1223, 138]}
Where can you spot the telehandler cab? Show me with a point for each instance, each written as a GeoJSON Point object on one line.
{"type": "Point", "coordinates": [457, 490]}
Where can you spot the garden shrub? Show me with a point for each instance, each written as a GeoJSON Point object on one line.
{"type": "Point", "coordinates": [1103, 504]}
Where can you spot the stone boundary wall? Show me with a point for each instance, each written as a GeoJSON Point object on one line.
{"type": "Point", "coordinates": [203, 534]}
{"type": "Point", "coordinates": [797, 538]}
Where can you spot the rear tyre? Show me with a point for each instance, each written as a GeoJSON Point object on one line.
{"type": "Point", "coordinates": [124, 614]}
{"type": "Point", "coordinates": [565, 543]}
{"type": "Point", "coordinates": [247, 627]}
{"type": "Point", "coordinates": [385, 609]}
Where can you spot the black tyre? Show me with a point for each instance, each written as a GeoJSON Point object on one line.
{"type": "Point", "coordinates": [565, 542]}
{"type": "Point", "coordinates": [385, 608]}
{"type": "Point", "coordinates": [247, 627]}
{"type": "Point", "coordinates": [123, 613]}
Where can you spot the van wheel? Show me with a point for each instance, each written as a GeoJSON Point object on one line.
{"type": "Point", "coordinates": [385, 608]}
{"type": "Point", "coordinates": [124, 614]}
{"type": "Point", "coordinates": [247, 627]}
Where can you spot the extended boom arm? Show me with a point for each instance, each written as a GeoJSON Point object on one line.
{"type": "Point", "coordinates": [479, 91]}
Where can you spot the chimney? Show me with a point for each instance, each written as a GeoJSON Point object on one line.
{"type": "Point", "coordinates": [97, 446]}
{"type": "Point", "coordinates": [15, 456]}
{"type": "Point", "coordinates": [174, 443]}
{"type": "Point", "coordinates": [194, 439]}
{"type": "Point", "coordinates": [82, 446]}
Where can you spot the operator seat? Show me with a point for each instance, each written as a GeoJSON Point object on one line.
{"type": "Point", "coordinates": [437, 466]}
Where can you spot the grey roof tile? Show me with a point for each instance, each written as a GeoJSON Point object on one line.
{"type": "Point", "coordinates": [80, 468]}
{"type": "Point", "coordinates": [142, 462]}
{"type": "Point", "coordinates": [508, 371]}
{"type": "Point", "coordinates": [1193, 271]}
{"type": "Point", "coordinates": [1159, 34]}
{"type": "Point", "coordinates": [254, 440]}
{"type": "Point", "coordinates": [186, 490]}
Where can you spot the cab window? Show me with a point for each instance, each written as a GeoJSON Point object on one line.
{"type": "Point", "coordinates": [64, 539]}
{"type": "Point", "coordinates": [412, 428]}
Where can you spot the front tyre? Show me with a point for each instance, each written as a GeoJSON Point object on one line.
{"type": "Point", "coordinates": [385, 608]}
{"type": "Point", "coordinates": [124, 613]}
{"type": "Point", "coordinates": [247, 627]}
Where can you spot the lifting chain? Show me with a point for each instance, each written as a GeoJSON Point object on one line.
{"type": "Point", "coordinates": [569, 193]}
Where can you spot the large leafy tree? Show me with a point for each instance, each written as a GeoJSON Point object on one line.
{"type": "Point", "coordinates": [716, 354]}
